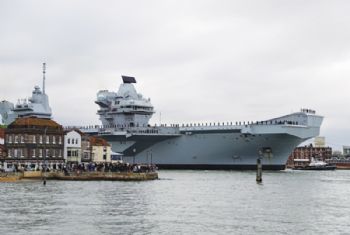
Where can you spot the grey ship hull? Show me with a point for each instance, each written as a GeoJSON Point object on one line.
{"type": "Point", "coordinates": [219, 150]}
{"type": "Point", "coordinates": [216, 147]}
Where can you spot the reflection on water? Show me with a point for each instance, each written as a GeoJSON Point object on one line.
{"type": "Point", "coordinates": [182, 202]}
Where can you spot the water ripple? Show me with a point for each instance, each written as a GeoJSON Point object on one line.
{"type": "Point", "coordinates": [182, 202]}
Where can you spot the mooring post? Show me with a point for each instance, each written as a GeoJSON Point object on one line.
{"type": "Point", "coordinates": [258, 171]}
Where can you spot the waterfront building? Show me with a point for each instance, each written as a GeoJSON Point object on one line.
{"type": "Point", "coordinates": [341, 159]}
{"type": "Point", "coordinates": [86, 150]}
{"type": "Point", "coordinates": [346, 151]}
{"type": "Point", "coordinates": [301, 156]}
{"type": "Point", "coordinates": [32, 141]}
{"type": "Point", "coordinates": [101, 150]}
{"type": "Point", "coordinates": [72, 146]}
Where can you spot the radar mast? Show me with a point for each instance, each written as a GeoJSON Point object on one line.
{"type": "Point", "coordinates": [44, 71]}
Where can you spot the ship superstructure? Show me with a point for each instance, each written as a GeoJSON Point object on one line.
{"type": "Point", "coordinates": [126, 108]}
{"type": "Point", "coordinates": [230, 145]}
{"type": "Point", "coordinates": [35, 106]}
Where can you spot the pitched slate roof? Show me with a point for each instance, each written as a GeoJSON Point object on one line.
{"type": "Point", "coordinates": [33, 121]}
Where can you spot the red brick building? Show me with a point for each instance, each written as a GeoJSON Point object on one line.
{"type": "Point", "coordinates": [301, 156]}
{"type": "Point", "coordinates": [30, 141]}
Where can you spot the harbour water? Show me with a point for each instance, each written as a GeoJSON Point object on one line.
{"type": "Point", "coordinates": [182, 202]}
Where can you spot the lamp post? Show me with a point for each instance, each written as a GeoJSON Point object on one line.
{"type": "Point", "coordinates": [259, 167]}
{"type": "Point", "coordinates": [134, 150]}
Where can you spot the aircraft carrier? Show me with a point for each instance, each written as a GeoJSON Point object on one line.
{"type": "Point", "coordinates": [125, 116]}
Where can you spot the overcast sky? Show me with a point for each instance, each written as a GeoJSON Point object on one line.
{"type": "Point", "coordinates": [198, 61]}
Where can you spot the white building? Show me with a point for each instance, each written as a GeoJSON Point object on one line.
{"type": "Point", "coordinates": [72, 146]}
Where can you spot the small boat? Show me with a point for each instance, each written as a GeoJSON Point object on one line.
{"type": "Point", "coordinates": [319, 165]}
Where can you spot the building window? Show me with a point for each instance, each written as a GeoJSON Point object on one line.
{"type": "Point", "coordinates": [68, 141]}
{"type": "Point", "coordinates": [40, 153]}
{"type": "Point", "coordinates": [72, 141]}
{"type": "Point", "coordinates": [47, 139]}
{"type": "Point", "coordinates": [33, 153]}
{"type": "Point", "coordinates": [10, 153]}
{"type": "Point", "coordinates": [86, 155]}
{"type": "Point", "coordinates": [34, 137]}
{"type": "Point", "coordinates": [22, 138]}
{"type": "Point", "coordinates": [10, 138]}
{"type": "Point", "coordinates": [40, 139]}
{"type": "Point", "coordinates": [59, 140]}
{"type": "Point", "coordinates": [16, 139]}
{"type": "Point", "coordinates": [54, 139]}
{"type": "Point", "coordinates": [17, 153]}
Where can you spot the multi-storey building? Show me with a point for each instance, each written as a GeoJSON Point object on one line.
{"type": "Point", "coordinates": [101, 150]}
{"type": "Point", "coordinates": [86, 150]}
{"type": "Point", "coordinates": [32, 141]}
{"type": "Point", "coordinates": [72, 146]}
{"type": "Point", "coordinates": [346, 151]}
{"type": "Point", "coordinates": [301, 156]}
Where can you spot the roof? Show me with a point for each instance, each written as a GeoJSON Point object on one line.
{"type": "Point", "coordinates": [97, 141]}
{"type": "Point", "coordinates": [74, 129]}
{"type": "Point", "coordinates": [33, 121]}
{"type": "Point", "coordinates": [117, 154]}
